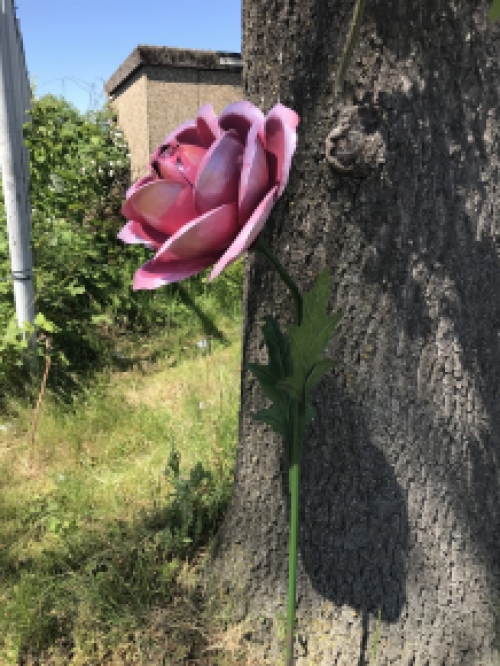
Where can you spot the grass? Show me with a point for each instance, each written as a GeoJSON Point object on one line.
{"type": "Point", "coordinates": [105, 518]}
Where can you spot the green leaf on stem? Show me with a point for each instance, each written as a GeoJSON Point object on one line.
{"type": "Point", "coordinates": [316, 374]}
{"type": "Point", "coordinates": [309, 340]}
{"type": "Point", "coordinates": [309, 415]}
{"type": "Point", "coordinates": [274, 417]}
{"type": "Point", "coordinates": [494, 13]}
{"type": "Point", "coordinates": [280, 360]}
{"type": "Point", "coordinates": [269, 376]}
{"type": "Point", "coordinates": [313, 378]}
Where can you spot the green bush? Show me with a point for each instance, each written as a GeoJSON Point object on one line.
{"type": "Point", "coordinates": [79, 171]}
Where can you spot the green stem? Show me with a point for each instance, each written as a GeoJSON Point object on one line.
{"type": "Point", "coordinates": [261, 246]}
{"type": "Point", "coordinates": [350, 43]}
{"type": "Point", "coordinates": [294, 479]}
{"type": "Point", "coordinates": [298, 410]}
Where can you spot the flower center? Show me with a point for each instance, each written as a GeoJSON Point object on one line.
{"type": "Point", "coordinates": [179, 163]}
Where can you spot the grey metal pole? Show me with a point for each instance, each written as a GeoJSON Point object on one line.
{"type": "Point", "coordinates": [14, 162]}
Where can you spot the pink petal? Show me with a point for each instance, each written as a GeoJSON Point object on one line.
{"type": "Point", "coordinates": [219, 174]}
{"type": "Point", "coordinates": [167, 169]}
{"type": "Point", "coordinates": [148, 202]}
{"type": "Point", "coordinates": [254, 181]}
{"type": "Point", "coordinates": [136, 232]}
{"type": "Point", "coordinates": [162, 205]}
{"type": "Point", "coordinates": [150, 178]}
{"type": "Point", "coordinates": [281, 141]}
{"type": "Point", "coordinates": [240, 116]}
{"type": "Point", "coordinates": [185, 133]}
{"type": "Point", "coordinates": [211, 233]}
{"type": "Point", "coordinates": [287, 115]}
{"type": "Point", "coordinates": [179, 164]}
{"type": "Point", "coordinates": [248, 234]}
{"type": "Point", "coordinates": [208, 125]}
{"type": "Point", "coordinates": [155, 273]}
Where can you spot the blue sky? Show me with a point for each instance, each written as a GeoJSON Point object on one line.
{"type": "Point", "coordinates": [73, 46]}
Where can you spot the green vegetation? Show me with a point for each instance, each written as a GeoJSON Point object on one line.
{"type": "Point", "coordinates": [107, 505]}
{"type": "Point", "coordinates": [104, 518]}
{"type": "Point", "coordinates": [79, 171]}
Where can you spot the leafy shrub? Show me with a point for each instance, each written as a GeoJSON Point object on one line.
{"type": "Point", "coordinates": [198, 503]}
{"type": "Point", "coordinates": [79, 163]}
{"type": "Point", "coordinates": [79, 170]}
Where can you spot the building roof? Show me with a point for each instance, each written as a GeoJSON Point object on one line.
{"type": "Point", "coordinates": [165, 56]}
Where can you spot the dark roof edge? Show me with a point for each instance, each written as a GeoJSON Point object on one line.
{"type": "Point", "coordinates": [167, 56]}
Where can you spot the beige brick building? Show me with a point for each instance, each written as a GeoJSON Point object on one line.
{"type": "Point", "coordinates": [157, 88]}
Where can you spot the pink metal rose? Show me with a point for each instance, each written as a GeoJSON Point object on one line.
{"type": "Point", "coordinates": [212, 185]}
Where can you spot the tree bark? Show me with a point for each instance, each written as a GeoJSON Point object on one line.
{"type": "Point", "coordinates": [400, 510]}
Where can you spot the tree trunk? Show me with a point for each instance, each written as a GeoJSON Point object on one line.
{"type": "Point", "coordinates": [400, 510]}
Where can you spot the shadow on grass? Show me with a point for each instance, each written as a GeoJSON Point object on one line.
{"type": "Point", "coordinates": [87, 355]}
{"type": "Point", "coordinates": [99, 587]}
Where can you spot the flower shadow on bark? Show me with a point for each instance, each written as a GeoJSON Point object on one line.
{"type": "Point", "coordinates": [431, 277]}
{"type": "Point", "coordinates": [354, 523]}
{"type": "Point", "coordinates": [414, 250]}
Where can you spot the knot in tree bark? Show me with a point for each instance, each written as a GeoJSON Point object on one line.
{"type": "Point", "coordinates": [355, 146]}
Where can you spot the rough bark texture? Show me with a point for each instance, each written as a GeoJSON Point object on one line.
{"type": "Point", "coordinates": [400, 510]}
